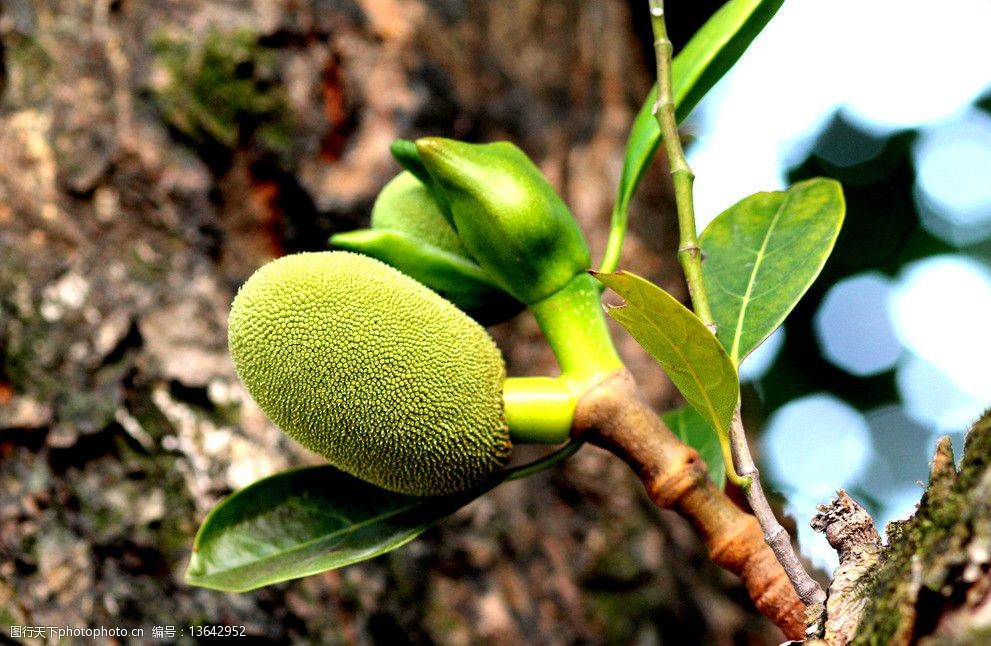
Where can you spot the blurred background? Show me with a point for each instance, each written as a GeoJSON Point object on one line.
{"type": "Point", "coordinates": [152, 155]}
{"type": "Point", "coordinates": [888, 350]}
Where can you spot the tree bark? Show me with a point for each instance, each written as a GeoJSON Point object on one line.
{"type": "Point", "coordinates": [152, 155]}
{"type": "Point", "coordinates": [931, 584]}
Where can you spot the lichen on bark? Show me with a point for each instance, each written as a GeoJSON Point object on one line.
{"type": "Point", "coordinates": [932, 582]}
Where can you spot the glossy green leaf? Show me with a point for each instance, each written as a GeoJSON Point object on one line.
{"type": "Point", "coordinates": [454, 277]}
{"type": "Point", "coordinates": [763, 253]}
{"type": "Point", "coordinates": [302, 522]}
{"type": "Point", "coordinates": [688, 425]}
{"type": "Point", "coordinates": [686, 349]}
{"type": "Point", "coordinates": [645, 137]}
{"type": "Point", "coordinates": [430, 265]}
{"type": "Point", "coordinates": [711, 52]}
{"type": "Point", "coordinates": [305, 521]}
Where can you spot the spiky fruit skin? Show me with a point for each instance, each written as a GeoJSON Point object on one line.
{"type": "Point", "coordinates": [372, 370]}
{"type": "Point", "coordinates": [406, 205]}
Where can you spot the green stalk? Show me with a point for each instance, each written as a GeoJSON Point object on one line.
{"type": "Point", "coordinates": [538, 409]}
{"type": "Point", "coordinates": [546, 462]}
{"type": "Point", "coordinates": [573, 323]}
{"type": "Point", "coordinates": [614, 246]}
{"type": "Point", "coordinates": [689, 252]}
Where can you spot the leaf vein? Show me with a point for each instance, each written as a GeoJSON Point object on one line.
{"type": "Point", "coordinates": [738, 333]}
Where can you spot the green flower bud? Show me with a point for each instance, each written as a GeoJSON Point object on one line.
{"type": "Point", "coordinates": [508, 216]}
{"type": "Point", "coordinates": [406, 154]}
{"type": "Point", "coordinates": [410, 233]}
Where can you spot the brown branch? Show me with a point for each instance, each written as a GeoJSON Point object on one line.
{"type": "Point", "coordinates": [613, 416]}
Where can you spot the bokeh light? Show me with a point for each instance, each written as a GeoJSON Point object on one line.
{"type": "Point", "coordinates": [853, 327]}
{"type": "Point", "coordinates": [953, 186]}
{"type": "Point", "coordinates": [897, 463]}
{"type": "Point", "coordinates": [815, 445]}
{"type": "Point", "coordinates": [941, 308]}
{"type": "Point", "coordinates": [931, 398]}
{"type": "Point", "coordinates": [758, 362]}
{"type": "Point", "coordinates": [817, 57]}
{"type": "Point", "coordinates": [902, 331]}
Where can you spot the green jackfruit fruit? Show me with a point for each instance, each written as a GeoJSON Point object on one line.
{"type": "Point", "coordinates": [406, 205]}
{"type": "Point", "coordinates": [372, 370]}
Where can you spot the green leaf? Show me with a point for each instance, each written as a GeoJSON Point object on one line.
{"type": "Point", "coordinates": [645, 137]}
{"type": "Point", "coordinates": [694, 431]}
{"type": "Point", "coordinates": [431, 265]}
{"type": "Point", "coordinates": [763, 253]}
{"type": "Point", "coordinates": [711, 52]}
{"type": "Point", "coordinates": [305, 521]}
{"type": "Point", "coordinates": [454, 277]}
{"type": "Point", "coordinates": [690, 354]}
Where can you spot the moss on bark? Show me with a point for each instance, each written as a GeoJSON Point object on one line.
{"type": "Point", "coordinates": [932, 582]}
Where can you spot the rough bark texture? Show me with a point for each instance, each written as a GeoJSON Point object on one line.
{"type": "Point", "coordinates": [152, 154]}
{"type": "Point", "coordinates": [932, 583]}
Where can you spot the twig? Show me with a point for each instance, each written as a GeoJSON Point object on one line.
{"type": "Point", "coordinates": [613, 416]}
{"type": "Point", "coordinates": [850, 531]}
{"type": "Point", "coordinates": [809, 591]}
{"type": "Point", "coordinates": [689, 252]}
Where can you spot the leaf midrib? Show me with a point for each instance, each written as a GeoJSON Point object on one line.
{"type": "Point", "coordinates": [745, 302]}
{"type": "Point", "coordinates": [304, 545]}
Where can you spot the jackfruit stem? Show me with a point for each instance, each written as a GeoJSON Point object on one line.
{"type": "Point", "coordinates": [573, 322]}
{"type": "Point", "coordinates": [538, 410]}
{"type": "Point", "coordinates": [613, 415]}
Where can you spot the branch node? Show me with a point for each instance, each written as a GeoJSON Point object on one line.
{"type": "Point", "coordinates": [613, 416]}
{"type": "Point", "coordinates": [681, 172]}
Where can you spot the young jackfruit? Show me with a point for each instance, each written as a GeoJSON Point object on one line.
{"type": "Point", "coordinates": [372, 370]}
